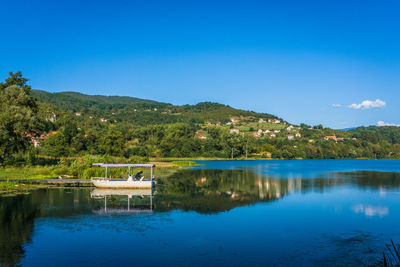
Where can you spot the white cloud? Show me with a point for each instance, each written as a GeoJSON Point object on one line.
{"type": "Point", "coordinates": [336, 105]}
{"type": "Point", "coordinates": [382, 123]}
{"type": "Point", "coordinates": [366, 104]}
{"type": "Point", "coordinates": [371, 211]}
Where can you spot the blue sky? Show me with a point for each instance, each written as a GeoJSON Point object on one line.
{"type": "Point", "coordinates": [305, 61]}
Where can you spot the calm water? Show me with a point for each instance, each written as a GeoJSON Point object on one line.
{"type": "Point", "coordinates": [225, 213]}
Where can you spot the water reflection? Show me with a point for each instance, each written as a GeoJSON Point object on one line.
{"type": "Point", "coordinates": [201, 190]}
{"type": "Point", "coordinates": [134, 199]}
{"type": "Point", "coordinates": [215, 190]}
{"type": "Point", "coordinates": [371, 211]}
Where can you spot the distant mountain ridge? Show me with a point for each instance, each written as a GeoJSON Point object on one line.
{"type": "Point", "coordinates": [73, 96]}
{"type": "Point", "coordinates": [348, 129]}
{"type": "Point", "coordinates": [144, 111]}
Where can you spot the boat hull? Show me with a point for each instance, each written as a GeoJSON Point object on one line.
{"type": "Point", "coordinates": [122, 184]}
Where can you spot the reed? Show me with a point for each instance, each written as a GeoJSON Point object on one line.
{"type": "Point", "coordinates": [392, 256]}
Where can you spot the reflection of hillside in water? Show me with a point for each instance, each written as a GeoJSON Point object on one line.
{"type": "Point", "coordinates": [203, 191]}
{"type": "Point", "coordinates": [208, 191]}
{"type": "Point", "coordinates": [215, 190]}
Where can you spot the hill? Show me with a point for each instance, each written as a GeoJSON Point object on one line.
{"type": "Point", "coordinates": [84, 124]}
{"type": "Point", "coordinates": [70, 124]}
{"type": "Point", "coordinates": [142, 111]}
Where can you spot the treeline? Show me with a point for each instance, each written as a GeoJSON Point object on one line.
{"type": "Point", "coordinates": [181, 140]}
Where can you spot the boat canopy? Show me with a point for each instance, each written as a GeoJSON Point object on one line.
{"type": "Point", "coordinates": [105, 165]}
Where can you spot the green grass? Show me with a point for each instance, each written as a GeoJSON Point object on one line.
{"type": "Point", "coordinates": [183, 163]}
{"type": "Point", "coordinates": [27, 172]}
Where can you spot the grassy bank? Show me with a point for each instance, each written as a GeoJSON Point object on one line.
{"type": "Point", "coordinates": [81, 168]}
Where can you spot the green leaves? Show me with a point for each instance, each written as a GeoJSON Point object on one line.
{"type": "Point", "coordinates": [112, 143]}
{"type": "Point", "coordinates": [18, 117]}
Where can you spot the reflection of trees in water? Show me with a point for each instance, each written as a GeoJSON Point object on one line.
{"type": "Point", "coordinates": [17, 216]}
{"type": "Point", "coordinates": [204, 191]}
{"type": "Point", "coordinates": [373, 180]}
{"type": "Point", "coordinates": [209, 190]}
{"type": "Point", "coordinates": [16, 227]}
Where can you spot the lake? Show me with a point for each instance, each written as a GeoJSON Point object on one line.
{"type": "Point", "coordinates": [220, 213]}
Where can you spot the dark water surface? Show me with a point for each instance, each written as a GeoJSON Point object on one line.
{"type": "Point", "coordinates": [223, 213]}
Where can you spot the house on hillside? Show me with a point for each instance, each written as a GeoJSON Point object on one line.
{"type": "Point", "coordinates": [272, 135]}
{"type": "Point", "coordinates": [256, 135]}
{"type": "Point", "coordinates": [234, 130]}
{"type": "Point", "coordinates": [34, 137]}
{"type": "Point", "coordinates": [289, 128]}
{"type": "Point", "coordinates": [298, 135]}
{"type": "Point", "coordinates": [330, 137]}
{"type": "Point", "coordinates": [277, 121]}
{"type": "Point", "coordinates": [103, 120]}
{"type": "Point", "coordinates": [261, 120]}
{"type": "Point", "coordinates": [290, 136]}
{"type": "Point", "coordinates": [201, 136]}
{"type": "Point", "coordinates": [277, 131]}
{"type": "Point", "coordinates": [53, 118]}
{"type": "Point", "coordinates": [267, 131]}
{"type": "Point", "coordinates": [78, 114]}
{"type": "Point", "coordinates": [339, 139]}
{"type": "Point", "coordinates": [37, 138]}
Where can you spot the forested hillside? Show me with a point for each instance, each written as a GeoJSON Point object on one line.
{"type": "Point", "coordinates": [140, 111]}
{"type": "Point", "coordinates": [37, 124]}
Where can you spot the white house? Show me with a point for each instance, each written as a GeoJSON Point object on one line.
{"type": "Point", "coordinates": [290, 136]}
{"type": "Point", "coordinates": [53, 118]}
{"type": "Point", "coordinates": [277, 131]}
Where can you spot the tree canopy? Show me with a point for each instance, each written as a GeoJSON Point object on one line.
{"type": "Point", "coordinates": [18, 117]}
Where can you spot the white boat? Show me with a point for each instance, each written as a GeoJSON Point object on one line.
{"type": "Point", "coordinates": [130, 183]}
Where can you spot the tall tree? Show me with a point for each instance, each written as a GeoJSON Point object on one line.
{"type": "Point", "coordinates": [18, 116]}
{"type": "Point", "coordinates": [112, 143]}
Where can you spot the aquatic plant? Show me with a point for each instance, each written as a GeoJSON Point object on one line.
{"type": "Point", "coordinates": [392, 256]}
